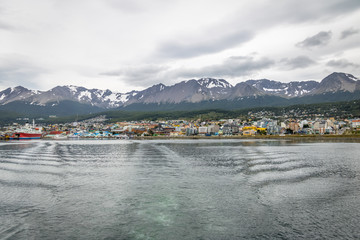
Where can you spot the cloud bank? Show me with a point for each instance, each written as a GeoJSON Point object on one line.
{"type": "Point", "coordinates": [320, 39]}
{"type": "Point", "coordinates": [135, 44]}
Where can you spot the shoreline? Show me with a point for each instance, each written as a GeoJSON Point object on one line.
{"type": "Point", "coordinates": [266, 137]}
{"type": "Point", "coordinates": [222, 137]}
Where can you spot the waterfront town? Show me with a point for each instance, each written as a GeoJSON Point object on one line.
{"type": "Point", "coordinates": [98, 127]}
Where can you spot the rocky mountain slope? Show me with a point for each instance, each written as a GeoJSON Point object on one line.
{"type": "Point", "coordinates": [191, 91]}
{"type": "Point", "coordinates": [94, 97]}
{"type": "Point", "coordinates": [337, 82]}
{"type": "Point", "coordinates": [291, 89]}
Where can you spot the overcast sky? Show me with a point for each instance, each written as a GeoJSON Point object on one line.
{"type": "Point", "coordinates": [133, 44]}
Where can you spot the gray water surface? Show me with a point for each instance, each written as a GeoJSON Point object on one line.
{"type": "Point", "coordinates": [184, 189]}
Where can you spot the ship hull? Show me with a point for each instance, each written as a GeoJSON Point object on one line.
{"type": "Point", "coordinates": [23, 136]}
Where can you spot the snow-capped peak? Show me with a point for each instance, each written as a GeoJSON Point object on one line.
{"type": "Point", "coordinates": [72, 88]}
{"type": "Point", "coordinates": [214, 83]}
{"type": "Point", "coordinates": [191, 90]}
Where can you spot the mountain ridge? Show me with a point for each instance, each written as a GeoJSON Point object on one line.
{"type": "Point", "coordinates": [203, 90]}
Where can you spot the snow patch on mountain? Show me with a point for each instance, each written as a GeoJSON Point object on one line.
{"type": "Point", "coordinates": [125, 97]}
{"type": "Point", "coordinates": [72, 88]}
{"type": "Point", "coordinates": [273, 90]}
{"type": "Point", "coordinates": [35, 92]}
{"type": "Point", "coordinates": [291, 89]}
{"type": "Point", "coordinates": [83, 95]}
{"type": "Point", "coordinates": [351, 77]}
{"type": "Point", "coordinates": [214, 83]}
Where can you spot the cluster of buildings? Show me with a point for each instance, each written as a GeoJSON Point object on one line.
{"type": "Point", "coordinates": [98, 128]}
{"type": "Point", "coordinates": [230, 127]}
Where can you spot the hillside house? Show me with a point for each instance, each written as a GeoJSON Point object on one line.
{"type": "Point", "coordinates": [355, 124]}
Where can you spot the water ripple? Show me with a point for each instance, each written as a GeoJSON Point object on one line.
{"type": "Point", "coordinates": [191, 189]}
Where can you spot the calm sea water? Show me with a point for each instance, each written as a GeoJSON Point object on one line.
{"type": "Point", "coordinates": [185, 189]}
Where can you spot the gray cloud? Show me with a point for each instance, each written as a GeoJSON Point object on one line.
{"type": "Point", "coordinates": [5, 26]}
{"type": "Point", "coordinates": [298, 62]}
{"type": "Point", "coordinates": [343, 63]}
{"type": "Point", "coordinates": [349, 32]}
{"type": "Point", "coordinates": [152, 74]}
{"type": "Point", "coordinates": [232, 67]}
{"type": "Point", "coordinates": [141, 32]}
{"type": "Point", "coordinates": [343, 6]}
{"type": "Point", "coordinates": [309, 10]}
{"type": "Point", "coordinates": [141, 75]}
{"type": "Point", "coordinates": [268, 15]}
{"type": "Point", "coordinates": [17, 70]}
{"type": "Point", "coordinates": [320, 39]}
{"type": "Point", "coordinates": [209, 43]}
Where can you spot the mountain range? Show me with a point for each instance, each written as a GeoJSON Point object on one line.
{"type": "Point", "coordinates": [191, 94]}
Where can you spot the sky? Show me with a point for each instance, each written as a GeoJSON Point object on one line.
{"type": "Point", "coordinates": [125, 45]}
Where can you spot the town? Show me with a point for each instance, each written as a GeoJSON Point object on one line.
{"type": "Point", "coordinates": [98, 127]}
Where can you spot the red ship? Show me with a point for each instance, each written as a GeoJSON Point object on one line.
{"type": "Point", "coordinates": [24, 135]}
{"type": "Point", "coordinates": [28, 132]}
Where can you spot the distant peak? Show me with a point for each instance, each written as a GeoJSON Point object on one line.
{"type": "Point", "coordinates": [340, 76]}
{"type": "Point", "coordinates": [337, 81]}
{"type": "Point", "coordinates": [71, 87]}
{"type": "Point", "coordinates": [159, 85]}
{"type": "Point", "coordinates": [17, 89]}
{"type": "Point", "coordinates": [214, 83]}
{"type": "Point", "coordinates": [207, 79]}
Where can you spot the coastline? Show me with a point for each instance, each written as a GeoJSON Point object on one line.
{"type": "Point", "coordinates": [354, 138]}
{"type": "Point", "coordinates": [259, 137]}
